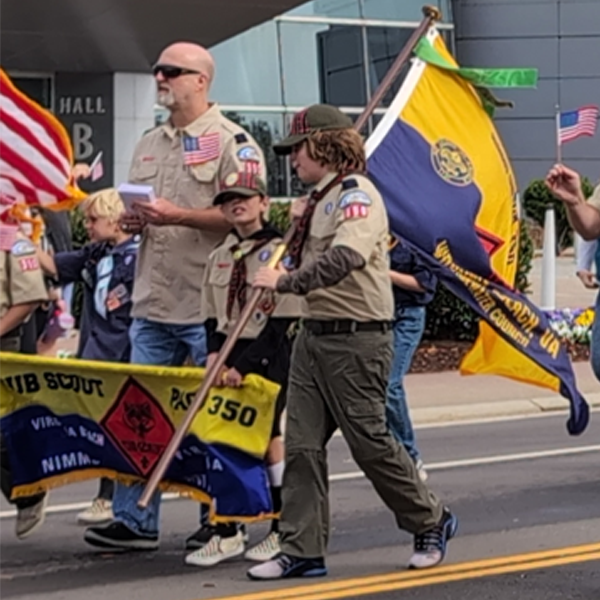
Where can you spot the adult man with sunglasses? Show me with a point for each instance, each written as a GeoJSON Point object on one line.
{"type": "Point", "coordinates": [184, 160]}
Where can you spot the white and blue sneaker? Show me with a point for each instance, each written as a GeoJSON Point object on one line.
{"type": "Point", "coordinates": [284, 566]}
{"type": "Point", "coordinates": [430, 547]}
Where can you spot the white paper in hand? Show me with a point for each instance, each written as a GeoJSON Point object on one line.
{"type": "Point", "coordinates": [132, 192]}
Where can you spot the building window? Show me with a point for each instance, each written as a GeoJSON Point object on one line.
{"type": "Point", "coordinates": [39, 89]}
{"type": "Point", "coordinates": [300, 59]}
{"type": "Point", "coordinates": [328, 8]}
{"type": "Point", "coordinates": [400, 10]}
{"type": "Point", "coordinates": [248, 68]}
{"type": "Point", "coordinates": [383, 46]}
{"type": "Point", "coordinates": [266, 129]}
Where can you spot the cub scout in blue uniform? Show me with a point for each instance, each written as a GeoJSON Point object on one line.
{"type": "Point", "coordinates": [106, 267]}
{"type": "Point", "coordinates": [264, 346]}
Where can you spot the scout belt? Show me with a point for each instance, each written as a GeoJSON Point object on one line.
{"type": "Point", "coordinates": [317, 327]}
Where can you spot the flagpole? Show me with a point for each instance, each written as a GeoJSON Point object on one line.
{"type": "Point", "coordinates": [558, 144]}
{"type": "Point", "coordinates": [430, 15]}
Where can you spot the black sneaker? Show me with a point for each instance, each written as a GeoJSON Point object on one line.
{"type": "Point", "coordinates": [200, 538]}
{"type": "Point", "coordinates": [430, 547]}
{"type": "Point", "coordinates": [284, 566]}
{"type": "Point", "coordinates": [119, 537]}
{"type": "Point", "coordinates": [204, 535]}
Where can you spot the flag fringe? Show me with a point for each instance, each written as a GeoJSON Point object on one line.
{"type": "Point", "coordinates": [56, 481]}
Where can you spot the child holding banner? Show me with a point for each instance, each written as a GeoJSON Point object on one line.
{"type": "Point", "coordinates": [263, 348]}
{"type": "Point", "coordinates": [106, 267]}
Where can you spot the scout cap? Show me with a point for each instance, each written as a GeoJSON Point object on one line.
{"type": "Point", "coordinates": [318, 117]}
{"type": "Point", "coordinates": [244, 183]}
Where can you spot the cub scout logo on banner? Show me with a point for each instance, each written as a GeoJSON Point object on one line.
{"type": "Point", "coordinates": [65, 421]}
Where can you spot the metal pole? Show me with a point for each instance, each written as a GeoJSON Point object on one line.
{"type": "Point", "coordinates": [558, 144]}
{"type": "Point", "coordinates": [548, 299]}
{"type": "Point", "coordinates": [431, 14]}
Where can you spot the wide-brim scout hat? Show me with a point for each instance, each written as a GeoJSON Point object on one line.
{"type": "Point", "coordinates": [244, 184]}
{"type": "Point", "coordinates": [318, 117]}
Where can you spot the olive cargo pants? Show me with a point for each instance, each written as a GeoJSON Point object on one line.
{"type": "Point", "coordinates": [340, 381]}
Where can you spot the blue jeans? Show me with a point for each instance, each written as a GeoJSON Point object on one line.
{"type": "Point", "coordinates": [408, 329]}
{"type": "Point", "coordinates": [595, 350]}
{"type": "Point", "coordinates": [161, 344]}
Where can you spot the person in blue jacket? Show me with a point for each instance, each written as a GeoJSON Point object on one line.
{"type": "Point", "coordinates": [106, 268]}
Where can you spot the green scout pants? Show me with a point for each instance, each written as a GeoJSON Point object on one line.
{"type": "Point", "coordinates": [340, 381]}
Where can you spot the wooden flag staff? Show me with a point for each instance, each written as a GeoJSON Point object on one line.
{"type": "Point", "coordinates": [431, 15]}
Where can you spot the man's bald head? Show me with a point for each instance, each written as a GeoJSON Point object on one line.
{"type": "Point", "coordinates": [191, 56]}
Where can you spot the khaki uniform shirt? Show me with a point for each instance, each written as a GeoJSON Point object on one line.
{"type": "Point", "coordinates": [594, 199]}
{"type": "Point", "coordinates": [21, 278]}
{"type": "Point", "coordinates": [171, 259]}
{"type": "Point", "coordinates": [353, 215]}
{"type": "Point", "coordinates": [216, 289]}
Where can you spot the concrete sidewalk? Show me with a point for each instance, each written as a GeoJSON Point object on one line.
{"type": "Point", "coordinates": [448, 396]}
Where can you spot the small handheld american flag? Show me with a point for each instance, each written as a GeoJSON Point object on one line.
{"type": "Point", "coordinates": [577, 123]}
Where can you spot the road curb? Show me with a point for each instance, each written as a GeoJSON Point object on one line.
{"type": "Point", "coordinates": [507, 408]}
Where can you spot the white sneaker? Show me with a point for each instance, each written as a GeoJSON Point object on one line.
{"type": "Point", "coordinates": [99, 512]}
{"type": "Point", "coordinates": [30, 519]}
{"type": "Point", "coordinates": [217, 550]}
{"type": "Point", "coordinates": [266, 550]}
{"type": "Point", "coordinates": [421, 470]}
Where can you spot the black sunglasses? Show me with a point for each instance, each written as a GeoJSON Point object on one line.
{"type": "Point", "coordinates": [172, 72]}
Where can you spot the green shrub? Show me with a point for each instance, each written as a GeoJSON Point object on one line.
{"type": "Point", "coordinates": [537, 197]}
{"type": "Point", "coordinates": [279, 215]}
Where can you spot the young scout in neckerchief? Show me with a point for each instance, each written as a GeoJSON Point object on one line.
{"type": "Point", "coordinates": [264, 346]}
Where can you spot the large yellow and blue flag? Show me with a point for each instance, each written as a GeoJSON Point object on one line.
{"type": "Point", "coordinates": [450, 193]}
{"type": "Point", "coordinates": [65, 421]}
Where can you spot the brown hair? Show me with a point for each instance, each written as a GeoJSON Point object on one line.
{"type": "Point", "coordinates": [342, 149]}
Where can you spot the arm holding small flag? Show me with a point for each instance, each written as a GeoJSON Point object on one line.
{"type": "Point", "coordinates": [583, 215]}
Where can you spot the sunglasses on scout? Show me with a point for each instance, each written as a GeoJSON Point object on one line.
{"type": "Point", "coordinates": [172, 72]}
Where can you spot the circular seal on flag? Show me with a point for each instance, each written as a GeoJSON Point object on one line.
{"type": "Point", "coordinates": [264, 256]}
{"type": "Point", "coordinates": [451, 163]}
{"type": "Point", "coordinates": [231, 179]}
{"type": "Point", "coordinates": [328, 208]}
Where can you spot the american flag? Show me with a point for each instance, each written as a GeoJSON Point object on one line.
{"type": "Point", "coordinates": [36, 156]}
{"type": "Point", "coordinates": [197, 150]}
{"type": "Point", "coordinates": [576, 123]}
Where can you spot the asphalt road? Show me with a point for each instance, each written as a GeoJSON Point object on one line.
{"type": "Point", "coordinates": [527, 496]}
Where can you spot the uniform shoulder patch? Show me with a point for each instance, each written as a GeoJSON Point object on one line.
{"type": "Point", "coordinates": [355, 197]}
{"type": "Point", "coordinates": [22, 248]}
{"type": "Point", "coordinates": [248, 153]}
{"type": "Point", "coordinates": [349, 184]}
{"type": "Point", "coordinates": [241, 138]}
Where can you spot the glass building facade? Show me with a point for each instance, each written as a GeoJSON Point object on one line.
{"type": "Point", "coordinates": [333, 51]}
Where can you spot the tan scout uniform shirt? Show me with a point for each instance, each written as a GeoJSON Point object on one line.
{"type": "Point", "coordinates": [354, 217]}
{"type": "Point", "coordinates": [216, 288]}
{"type": "Point", "coordinates": [21, 278]}
{"type": "Point", "coordinates": [171, 259]}
{"type": "Point", "coordinates": [594, 199]}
